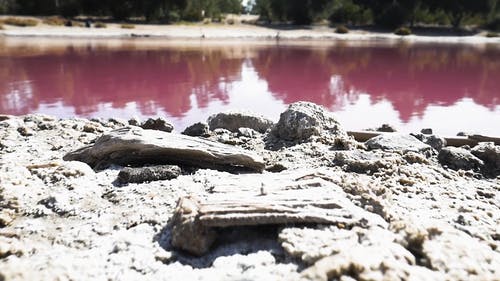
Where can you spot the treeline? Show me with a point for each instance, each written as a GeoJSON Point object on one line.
{"type": "Point", "coordinates": [151, 10]}
{"type": "Point", "coordinates": [390, 13]}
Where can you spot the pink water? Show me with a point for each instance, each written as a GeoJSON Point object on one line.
{"type": "Point", "coordinates": [449, 88]}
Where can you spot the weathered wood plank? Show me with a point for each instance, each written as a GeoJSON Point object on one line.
{"type": "Point", "coordinates": [135, 146]}
{"type": "Point", "coordinates": [457, 141]}
{"type": "Point", "coordinates": [294, 198]}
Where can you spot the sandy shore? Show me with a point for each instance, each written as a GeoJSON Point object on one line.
{"type": "Point", "coordinates": [231, 32]}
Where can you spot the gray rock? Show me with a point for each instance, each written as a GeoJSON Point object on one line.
{"type": "Point", "coordinates": [397, 142]}
{"type": "Point", "coordinates": [433, 141]}
{"type": "Point", "coordinates": [386, 128]}
{"type": "Point", "coordinates": [117, 122]}
{"type": "Point", "coordinates": [489, 153]}
{"type": "Point", "coordinates": [134, 121]}
{"type": "Point", "coordinates": [247, 132]}
{"type": "Point", "coordinates": [158, 124]}
{"type": "Point", "coordinates": [426, 131]}
{"type": "Point", "coordinates": [232, 121]}
{"type": "Point", "coordinates": [4, 117]}
{"type": "Point", "coordinates": [148, 174]}
{"type": "Point", "coordinates": [303, 120]}
{"type": "Point", "coordinates": [458, 158]}
{"type": "Point", "coordinates": [199, 129]}
{"type": "Point", "coordinates": [25, 131]}
{"type": "Point", "coordinates": [359, 161]}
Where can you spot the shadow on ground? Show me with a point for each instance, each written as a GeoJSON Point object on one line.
{"type": "Point", "coordinates": [230, 241]}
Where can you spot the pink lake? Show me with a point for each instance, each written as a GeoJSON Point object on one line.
{"type": "Point", "coordinates": [449, 88]}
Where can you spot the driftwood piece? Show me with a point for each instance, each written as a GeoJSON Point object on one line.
{"type": "Point", "coordinates": [472, 140]}
{"type": "Point", "coordinates": [283, 199]}
{"type": "Point", "coordinates": [135, 146]}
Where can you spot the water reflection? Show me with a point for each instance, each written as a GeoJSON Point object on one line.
{"type": "Point", "coordinates": [402, 85]}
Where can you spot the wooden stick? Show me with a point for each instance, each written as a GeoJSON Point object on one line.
{"type": "Point", "coordinates": [472, 140]}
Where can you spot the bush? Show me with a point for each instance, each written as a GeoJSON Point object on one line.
{"type": "Point", "coordinates": [54, 21]}
{"type": "Point", "coordinates": [491, 34]}
{"type": "Point", "coordinates": [403, 31]}
{"type": "Point", "coordinates": [230, 21]}
{"type": "Point", "coordinates": [127, 26]}
{"type": "Point", "coordinates": [100, 25]}
{"type": "Point", "coordinates": [77, 24]}
{"type": "Point", "coordinates": [342, 29]}
{"type": "Point", "coordinates": [20, 22]}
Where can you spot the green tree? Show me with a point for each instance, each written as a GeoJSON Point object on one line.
{"type": "Point", "coordinates": [458, 10]}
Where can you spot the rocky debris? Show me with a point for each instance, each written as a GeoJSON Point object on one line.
{"type": "Point", "coordinates": [134, 121]}
{"type": "Point", "coordinates": [311, 244]}
{"type": "Point", "coordinates": [397, 142]}
{"type": "Point", "coordinates": [25, 131]}
{"type": "Point", "coordinates": [62, 209]}
{"type": "Point", "coordinates": [426, 131]}
{"type": "Point", "coordinates": [247, 132]}
{"type": "Point", "coordinates": [359, 161]}
{"type": "Point", "coordinates": [81, 225]}
{"type": "Point", "coordinates": [444, 249]}
{"type": "Point", "coordinates": [459, 159]}
{"type": "Point", "coordinates": [135, 146]}
{"type": "Point", "coordinates": [489, 153]}
{"type": "Point", "coordinates": [159, 124]}
{"type": "Point", "coordinates": [199, 129]}
{"type": "Point", "coordinates": [234, 120]}
{"type": "Point", "coordinates": [364, 256]}
{"type": "Point", "coordinates": [8, 209]}
{"type": "Point", "coordinates": [302, 120]}
{"type": "Point", "coordinates": [414, 157]}
{"type": "Point", "coordinates": [4, 117]}
{"type": "Point", "coordinates": [116, 122]}
{"type": "Point", "coordinates": [54, 172]}
{"type": "Point", "coordinates": [92, 128]}
{"type": "Point", "coordinates": [386, 128]}
{"type": "Point", "coordinates": [287, 198]}
{"type": "Point", "coordinates": [148, 174]}
{"type": "Point", "coordinates": [433, 141]}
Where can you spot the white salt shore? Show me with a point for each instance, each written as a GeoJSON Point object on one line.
{"type": "Point", "coordinates": [226, 32]}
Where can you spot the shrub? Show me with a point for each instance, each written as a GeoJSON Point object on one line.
{"type": "Point", "coordinates": [20, 22]}
{"type": "Point", "coordinates": [54, 21]}
{"type": "Point", "coordinates": [127, 26]}
{"type": "Point", "coordinates": [342, 29]}
{"type": "Point", "coordinates": [77, 23]}
{"type": "Point", "coordinates": [403, 31]}
{"type": "Point", "coordinates": [491, 34]}
{"type": "Point", "coordinates": [100, 25]}
{"type": "Point", "coordinates": [230, 21]}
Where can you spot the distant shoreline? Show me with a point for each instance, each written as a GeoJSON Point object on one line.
{"type": "Point", "coordinates": [214, 32]}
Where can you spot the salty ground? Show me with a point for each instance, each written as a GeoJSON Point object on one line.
{"type": "Point", "coordinates": [419, 210]}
